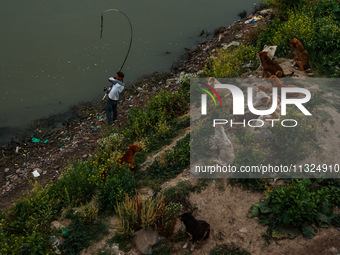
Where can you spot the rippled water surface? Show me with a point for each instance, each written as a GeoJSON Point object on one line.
{"type": "Point", "coordinates": [52, 56]}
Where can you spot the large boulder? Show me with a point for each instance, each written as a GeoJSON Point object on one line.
{"type": "Point", "coordinates": [146, 239]}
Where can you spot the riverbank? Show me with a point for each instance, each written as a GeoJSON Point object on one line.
{"type": "Point", "coordinates": [75, 137]}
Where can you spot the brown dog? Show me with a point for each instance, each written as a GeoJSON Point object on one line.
{"type": "Point", "coordinates": [275, 81]}
{"type": "Point", "coordinates": [301, 58]}
{"type": "Point", "coordinates": [271, 66]}
{"type": "Point", "coordinates": [129, 156]}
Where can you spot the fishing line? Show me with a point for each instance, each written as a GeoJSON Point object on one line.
{"type": "Point", "coordinates": [101, 32]}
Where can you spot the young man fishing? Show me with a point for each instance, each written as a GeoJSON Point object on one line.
{"type": "Point", "coordinates": [113, 97]}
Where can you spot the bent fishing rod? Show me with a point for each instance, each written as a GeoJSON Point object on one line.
{"type": "Point", "coordinates": [131, 36]}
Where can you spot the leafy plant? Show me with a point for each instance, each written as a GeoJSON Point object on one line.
{"type": "Point", "coordinates": [298, 207]}
{"type": "Point", "coordinates": [115, 188]}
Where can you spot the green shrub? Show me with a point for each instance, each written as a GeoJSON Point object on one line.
{"type": "Point", "coordinates": [76, 186]}
{"type": "Point", "coordinates": [300, 204]}
{"type": "Point", "coordinates": [299, 25]}
{"type": "Point", "coordinates": [156, 117]}
{"type": "Point", "coordinates": [32, 214]}
{"type": "Point", "coordinates": [25, 227]}
{"type": "Point", "coordinates": [229, 63]}
{"type": "Point", "coordinates": [114, 189]}
{"type": "Point", "coordinates": [324, 50]}
{"type": "Point", "coordinates": [82, 234]}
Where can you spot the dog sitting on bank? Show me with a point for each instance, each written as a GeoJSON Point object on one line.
{"type": "Point", "coordinates": [129, 156]}
{"type": "Point", "coordinates": [301, 58]}
{"type": "Point", "coordinates": [271, 66]}
{"type": "Point", "coordinates": [198, 229]}
{"type": "Point", "coordinates": [275, 81]}
{"type": "Point", "coordinates": [271, 52]}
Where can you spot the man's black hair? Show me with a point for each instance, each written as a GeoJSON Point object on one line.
{"type": "Point", "coordinates": [120, 74]}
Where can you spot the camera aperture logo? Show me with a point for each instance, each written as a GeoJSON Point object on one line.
{"type": "Point", "coordinates": [257, 118]}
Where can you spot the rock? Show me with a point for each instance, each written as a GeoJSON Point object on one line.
{"type": "Point", "coordinates": [333, 250]}
{"type": "Point", "coordinates": [6, 170]}
{"type": "Point", "coordinates": [239, 36]}
{"type": "Point", "coordinates": [57, 225]}
{"type": "Point", "coordinates": [266, 12]}
{"type": "Point", "coordinates": [145, 239]}
{"type": "Point", "coordinates": [38, 170]}
{"type": "Point", "coordinates": [243, 230]}
{"type": "Point", "coordinates": [146, 193]}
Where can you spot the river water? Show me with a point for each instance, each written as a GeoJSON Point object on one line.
{"type": "Point", "coordinates": [52, 57]}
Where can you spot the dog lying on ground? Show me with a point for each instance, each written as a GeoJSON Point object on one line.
{"type": "Point", "coordinates": [198, 229]}
{"type": "Point", "coordinates": [275, 81]}
{"type": "Point", "coordinates": [301, 58]}
{"type": "Point", "coordinates": [129, 156]}
{"type": "Point", "coordinates": [271, 52]}
{"type": "Point", "coordinates": [271, 66]}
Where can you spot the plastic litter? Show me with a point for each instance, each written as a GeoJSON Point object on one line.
{"type": "Point", "coordinates": [67, 138]}
{"type": "Point", "coordinates": [233, 43]}
{"type": "Point", "coordinates": [253, 19]}
{"type": "Point", "coordinates": [64, 231]}
{"type": "Point", "coordinates": [36, 140]}
{"type": "Point", "coordinates": [35, 173]}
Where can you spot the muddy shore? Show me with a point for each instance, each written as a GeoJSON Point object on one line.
{"type": "Point", "coordinates": [65, 138]}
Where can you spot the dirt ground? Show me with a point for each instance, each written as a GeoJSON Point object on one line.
{"type": "Point", "coordinates": [226, 209]}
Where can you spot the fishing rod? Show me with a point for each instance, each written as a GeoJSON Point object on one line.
{"type": "Point", "coordinates": [131, 36]}
{"type": "Point", "coordinates": [101, 32]}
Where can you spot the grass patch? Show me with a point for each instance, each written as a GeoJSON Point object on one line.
{"type": "Point", "coordinates": [169, 165]}
{"type": "Point", "coordinates": [82, 234]}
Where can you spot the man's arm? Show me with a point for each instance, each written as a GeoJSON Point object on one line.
{"type": "Point", "coordinates": [115, 81]}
